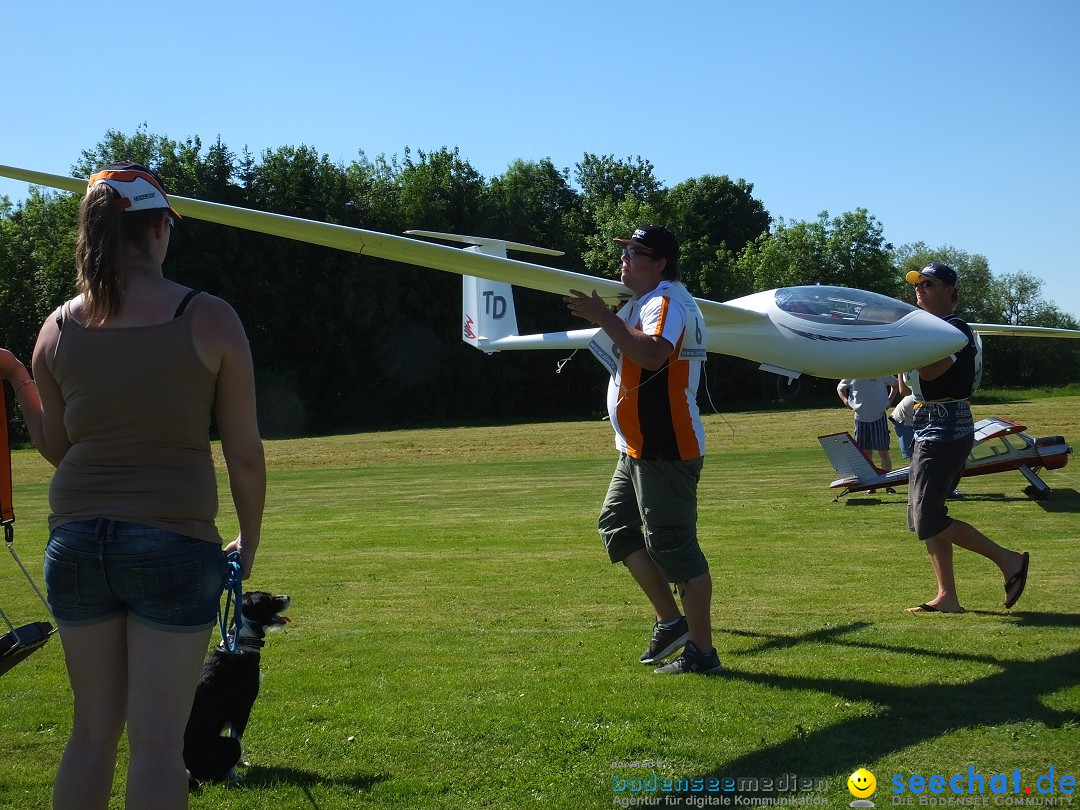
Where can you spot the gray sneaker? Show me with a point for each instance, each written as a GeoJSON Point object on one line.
{"type": "Point", "coordinates": [693, 660]}
{"type": "Point", "coordinates": [665, 641]}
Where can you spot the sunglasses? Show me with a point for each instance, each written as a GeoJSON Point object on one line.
{"type": "Point", "coordinates": [170, 222]}
{"type": "Point", "coordinates": [632, 252]}
{"type": "Point", "coordinates": [926, 283]}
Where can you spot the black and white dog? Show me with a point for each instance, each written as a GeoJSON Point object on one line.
{"type": "Point", "coordinates": [227, 691]}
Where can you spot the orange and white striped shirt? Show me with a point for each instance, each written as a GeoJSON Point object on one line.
{"type": "Point", "coordinates": [655, 413]}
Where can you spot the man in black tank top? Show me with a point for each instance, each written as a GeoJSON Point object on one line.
{"type": "Point", "coordinates": [944, 434]}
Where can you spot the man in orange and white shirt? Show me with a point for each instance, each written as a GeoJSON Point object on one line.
{"type": "Point", "coordinates": [649, 518]}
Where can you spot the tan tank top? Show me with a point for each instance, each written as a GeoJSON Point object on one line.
{"type": "Point", "coordinates": [137, 413]}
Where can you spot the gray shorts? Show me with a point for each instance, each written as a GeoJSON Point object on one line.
{"type": "Point", "coordinates": [936, 469]}
{"type": "Point", "coordinates": [652, 505]}
{"type": "Point", "coordinates": [100, 569]}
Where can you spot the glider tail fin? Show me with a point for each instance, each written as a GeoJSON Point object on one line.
{"type": "Point", "coordinates": [487, 311]}
{"type": "Point", "coordinates": [487, 307]}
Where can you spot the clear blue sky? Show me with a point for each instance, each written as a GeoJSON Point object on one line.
{"type": "Point", "coordinates": [953, 122]}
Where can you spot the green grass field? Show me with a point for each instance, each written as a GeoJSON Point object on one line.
{"type": "Point", "coordinates": [459, 639]}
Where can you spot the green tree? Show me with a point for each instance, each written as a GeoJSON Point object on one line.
{"type": "Point", "coordinates": [376, 190]}
{"type": "Point", "coordinates": [847, 251]}
{"type": "Point", "coordinates": [1014, 298]}
{"type": "Point", "coordinates": [304, 305]}
{"type": "Point", "coordinates": [38, 257]}
{"type": "Point", "coordinates": [603, 178]}
{"type": "Point", "coordinates": [614, 219]}
{"type": "Point", "coordinates": [1022, 361]}
{"type": "Point", "coordinates": [440, 191]}
{"type": "Point", "coordinates": [617, 195]}
{"type": "Point", "coordinates": [534, 203]}
{"type": "Point", "coordinates": [1021, 303]}
{"type": "Point", "coordinates": [418, 310]}
{"type": "Point", "coordinates": [979, 298]}
{"type": "Point", "coordinates": [342, 342]}
{"type": "Point", "coordinates": [37, 247]}
{"type": "Point", "coordinates": [715, 218]}
{"type": "Point", "coordinates": [142, 147]}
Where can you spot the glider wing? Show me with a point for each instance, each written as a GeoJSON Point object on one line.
{"type": "Point", "coordinates": [1023, 331]}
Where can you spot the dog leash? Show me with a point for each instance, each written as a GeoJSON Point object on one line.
{"type": "Point", "coordinates": [233, 594]}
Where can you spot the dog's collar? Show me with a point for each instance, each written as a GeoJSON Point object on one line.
{"type": "Point", "coordinates": [245, 642]}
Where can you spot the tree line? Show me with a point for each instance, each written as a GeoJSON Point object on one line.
{"type": "Point", "coordinates": [344, 342]}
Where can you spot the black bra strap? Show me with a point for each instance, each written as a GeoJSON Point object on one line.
{"type": "Point", "coordinates": [183, 304]}
{"type": "Point", "coordinates": [179, 310]}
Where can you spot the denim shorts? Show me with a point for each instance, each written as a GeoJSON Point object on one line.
{"type": "Point", "coordinates": [101, 569]}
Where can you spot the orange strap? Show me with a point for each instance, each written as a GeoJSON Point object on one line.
{"type": "Point", "coordinates": [7, 508]}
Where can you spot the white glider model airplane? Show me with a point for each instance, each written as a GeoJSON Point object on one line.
{"type": "Point", "coordinates": [831, 332]}
{"type": "Point", "coordinates": [1000, 445]}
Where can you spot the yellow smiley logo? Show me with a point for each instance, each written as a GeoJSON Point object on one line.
{"type": "Point", "coordinates": [861, 783]}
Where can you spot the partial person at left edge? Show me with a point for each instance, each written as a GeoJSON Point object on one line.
{"type": "Point", "coordinates": [126, 378]}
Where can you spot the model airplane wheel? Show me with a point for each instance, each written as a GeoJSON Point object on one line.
{"type": "Point", "coordinates": [794, 389]}
{"type": "Point", "coordinates": [1037, 494]}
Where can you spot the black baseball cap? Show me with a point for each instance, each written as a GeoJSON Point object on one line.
{"type": "Point", "coordinates": [656, 239]}
{"type": "Point", "coordinates": [939, 271]}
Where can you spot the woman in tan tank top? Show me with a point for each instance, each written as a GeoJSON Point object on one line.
{"type": "Point", "coordinates": [126, 378]}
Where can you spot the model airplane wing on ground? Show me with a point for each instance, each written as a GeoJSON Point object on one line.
{"type": "Point", "coordinates": [822, 331]}
{"type": "Point", "coordinates": [994, 427]}
{"type": "Point", "coordinates": [1000, 445]}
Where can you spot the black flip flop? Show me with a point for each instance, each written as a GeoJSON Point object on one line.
{"type": "Point", "coordinates": [1014, 587]}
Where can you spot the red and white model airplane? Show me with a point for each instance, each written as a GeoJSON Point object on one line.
{"type": "Point", "coordinates": [1000, 445]}
{"type": "Point", "coordinates": [821, 331]}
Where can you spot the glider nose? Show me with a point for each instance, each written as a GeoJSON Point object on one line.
{"type": "Point", "coordinates": [935, 338]}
